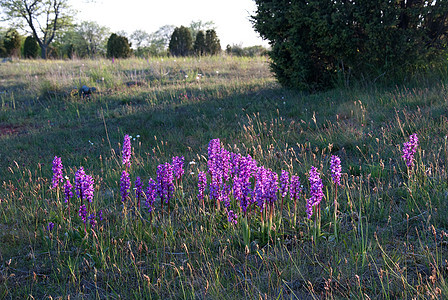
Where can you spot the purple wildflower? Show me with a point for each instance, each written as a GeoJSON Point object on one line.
{"type": "Point", "coordinates": [295, 188]}
{"type": "Point", "coordinates": [165, 182]}
{"type": "Point", "coordinates": [68, 190]}
{"type": "Point", "coordinates": [335, 166]}
{"type": "Point", "coordinates": [138, 188]}
{"type": "Point", "coordinates": [178, 167]}
{"type": "Point", "coordinates": [202, 183]}
{"type": "Point", "coordinates": [83, 213]}
{"type": "Point", "coordinates": [50, 226]}
{"type": "Point", "coordinates": [99, 215]}
{"type": "Point", "coordinates": [79, 178]}
{"type": "Point", "coordinates": [232, 217]}
{"type": "Point", "coordinates": [125, 185]}
{"type": "Point", "coordinates": [126, 151]}
{"type": "Point", "coordinates": [57, 172]}
{"type": "Point", "coordinates": [243, 169]}
{"type": "Point", "coordinates": [284, 184]}
{"type": "Point", "coordinates": [92, 220]}
{"type": "Point", "coordinates": [316, 193]}
{"type": "Point", "coordinates": [409, 149]}
{"type": "Point", "coordinates": [87, 188]}
{"type": "Point", "coordinates": [151, 192]}
{"type": "Point", "coordinates": [266, 187]}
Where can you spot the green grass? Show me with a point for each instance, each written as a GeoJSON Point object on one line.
{"type": "Point", "coordinates": [391, 240]}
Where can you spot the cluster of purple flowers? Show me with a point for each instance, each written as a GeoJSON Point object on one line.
{"type": "Point", "coordinates": [126, 151]}
{"type": "Point", "coordinates": [165, 187]}
{"type": "Point", "coordinates": [316, 193]}
{"type": "Point", "coordinates": [151, 193]}
{"type": "Point", "coordinates": [57, 172]}
{"type": "Point", "coordinates": [409, 150]}
{"type": "Point", "coordinates": [83, 185]}
{"type": "Point", "coordinates": [202, 183]}
{"type": "Point", "coordinates": [284, 184]}
{"type": "Point", "coordinates": [125, 185]}
{"type": "Point", "coordinates": [295, 188]}
{"type": "Point", "coordinates": [178, 167]}
{"type": "Point", "coordinates": [68, 190]}
{"type": "Point", "coordinates": [336, 169]}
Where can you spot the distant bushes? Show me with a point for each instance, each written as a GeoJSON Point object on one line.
{"type": "Point", "coordinates": [238, 50]}
{"type": "Point", "coordinates": [30, 47]}
{"type": "Point", "coordinates": [118, 46]}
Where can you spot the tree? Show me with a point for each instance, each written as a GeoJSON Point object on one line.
{"type": "Point", "coordinates": [43, 18]}
{"type": "Point", "coordinates": [94, 37]}
{"type": "Point", "coordinates": [118, 46]}
{"type": "Point", "coordinates": [12, 42]}
{"type": "Point", "coordinates": [181, 42]}
{"type": "Point", "coordinates": [314, 43]}
{"type": "Point", "coordinates": [30, 47]}
{"type": "Point", "coordinates": [140, 38]}
{"type": "Point", "coordinates": [199, 44]}
{"type": "Point", "coordinates": [196, 26]}
{"type": "Point", "coordinates": [212, 44]}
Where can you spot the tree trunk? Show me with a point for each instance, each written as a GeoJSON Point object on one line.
{"type": "Point", "coordinates": [43, 51]}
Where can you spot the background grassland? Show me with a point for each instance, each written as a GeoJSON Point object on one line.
{"type": "Point", "coordinates": [392, 241]}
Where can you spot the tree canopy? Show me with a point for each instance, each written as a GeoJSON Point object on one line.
{"type": "Point", "coordinates": [42, 18]}
{"type": "Point", "coordinates": [315, 43]}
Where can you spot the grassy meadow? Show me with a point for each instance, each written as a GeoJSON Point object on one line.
{"type": "Point", "coordinates": [387, 240]}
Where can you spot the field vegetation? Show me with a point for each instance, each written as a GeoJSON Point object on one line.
{"type": "Point", "coordinates": [380, 234]}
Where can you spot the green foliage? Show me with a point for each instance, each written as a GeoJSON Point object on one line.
{"type": "Point", "coordinates": [30, 47]}
{"type": "Point", "coordinates": [199, 44]}
{"type": "Point", "coordinates": [43, 18]}
{"type": "Point", "coordinates": [181, 42]}
{"type": "Point", "coordinates": [12, 42]}
{"type": "Point", "coordinates": [316, 43]}
{"type": "Point", "coordinates": [238, 50]}
{"type": "Point", "coordinates": [212, 44]}
{"type": "Point", "coordinates": [118, 46]}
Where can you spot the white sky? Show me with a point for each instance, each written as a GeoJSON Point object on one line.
{"type": "Point", "coordinates": [231, 17]}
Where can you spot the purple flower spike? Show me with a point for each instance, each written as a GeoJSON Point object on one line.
{"type": "Point", "coordinates": [68, 190]}
{"type": "Point", "coordinates": [295, 188]}
{"type": "Point", "coordinates": [409, 149]}
{"type": "Point", "coordinates": [79, 178]}
{"type": "Point", "coordinates": [202, 183]}
{"type": "Point", "coordinates": [99, 215]}
{"type": "Point", "coordinates": [126, 151]}
{"type": "Point", "coordinates": [57, 172]}
{"type": "Point", "coordinates": [316, 193]}
{"type": "Point", "coordinates": [232, 217]}
{"type": "Point", "coordinates": [50, 226]}
{"type": "Point", "coordinates": [151, 193]}
{"type": "Point", "coordinates": [165, 185]}
{"type": "Point", "coordinates": [125, 185]}
{"type": "Point", "coordinates": [284, 184]}
{"type": "Point", "coordinates": [178, 167]}
{"type": "Point", "coordinates": [92, 220]}
{"type": "Point", "coordinates": [138, 187]}
{"type": "Point", "coordinates": [83, 213]}
{"type": "Point", "coordinates": [335, 166]}
{"type": "Point", "coordinates": [87, 188]}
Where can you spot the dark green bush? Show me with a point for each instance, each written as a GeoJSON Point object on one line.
{"type": "Point", "coordinates": [12, 42]}
{"type": "Point", "coordinates": [118, 46]}
{"type": "Point", "coordinates": [199, 44]}
{"type": "Point", "coordinates": [30, 47]}
{"type": "Point", "coordinates": [315, 43]}
{"type": "Point", "coordinates": [212, 44]}
{"type": "Point", "coordinates": [181, 42]}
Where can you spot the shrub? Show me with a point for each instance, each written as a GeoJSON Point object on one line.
{"type": "Point", "coordinates": [30, 47]}
{"type": "Point", "coordinates": [12, 42]}
{"type": "Point", "coordinates": [314, 42]}
{"type": "Point", "coordinates": [199, 44]}
{"type": "Point", "coordinates": [181, 42]}
{"type": "Point", "coordinates": [118, 46]}
{"type": "Point", "coordinates": [212, 44]}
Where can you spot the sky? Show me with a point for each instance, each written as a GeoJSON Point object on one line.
{"type": "Point", "coordinates": [231, 17]}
